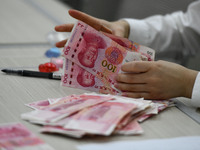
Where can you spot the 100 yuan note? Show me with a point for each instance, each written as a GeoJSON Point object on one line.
{"type": "Point", "coordinates": [77, 77]}
{"type": "Point", "coordinates": [42, 104]}
{"type": "Point", "coordinates": [132, 128]}
{"type": "Point", "coordinates": [62, 131]}
{"type": "Point", "coordinates": [38, 104]}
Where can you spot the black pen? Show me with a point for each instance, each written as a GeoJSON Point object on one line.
{"type": "Point", "coordinates": [28, 73]}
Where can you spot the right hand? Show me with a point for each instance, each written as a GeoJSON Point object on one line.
{"type": "Point", "coordinates": [155, 80]}
{"type": "Point", "coordinates": [118, 28]}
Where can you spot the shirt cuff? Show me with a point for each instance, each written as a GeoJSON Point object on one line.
{"type": "Point", "coordinates": [196, 92]}
{"type": "Point", "coordinates": [139, 31]}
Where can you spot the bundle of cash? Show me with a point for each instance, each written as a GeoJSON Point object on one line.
{"type": "Point", "coordinates": [17, 136]}
{"type": "Point", "coordinates": [93, 114]}
{"type": "Point", "coordinates": [93, 58]}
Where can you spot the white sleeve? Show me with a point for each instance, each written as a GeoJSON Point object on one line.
{"type": "Point", "coordinates": [176, 31]}
{"type": "Point", "coordinates": [196, 92]}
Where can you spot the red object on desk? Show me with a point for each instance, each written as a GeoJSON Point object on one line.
{"type": "Point", "coordinates": [48, 67]}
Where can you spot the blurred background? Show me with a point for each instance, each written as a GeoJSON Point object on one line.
{"type": "Point", "coordinates": [30, 22]}
{"type": "Point", "coordinates": [114, 9]}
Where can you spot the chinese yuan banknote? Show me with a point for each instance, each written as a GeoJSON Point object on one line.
{"type": "Point", "coordinates": [133, 47]}
{"type": "Point", "coordinates": [157, 107]}
{"type": "Point", "coordinates": [132, 128]}
{"type": "Point", "coordinates": [75, 76]}
{"type": "Point", "coordinates": [65, 107]}
{"type": "Point", "coordinates": [15, 136]}
{"type": "Point", "coordinates": [98, 53]}
{"type": "Point", "coordinates": [63, 131]}
{"type": "Point", "coordinates": [100, 119]}
{"type": "Point", "coordinates": [39, 104]}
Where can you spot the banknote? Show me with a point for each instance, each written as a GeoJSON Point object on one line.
{"type": "Point", "coordinates": [42, 104]}
{"type": "Point", "coordinates": [132, 128]}
{"type": "Point", "coordinates": [43, 122]}
{"type": "Point", "coordinates": [154, 109]}
{"type": "Point", "coordinates": [139, 102]}
{"type": "Point", "coordinates": [63, 131]}
{"type": "Point", "coordinates": [97, 53]}
{"type": "Point", "coordinates": [41, 115]}
{"type": "Point", "coordinates": [100, 119]}
{"type": "Point", "coordinates": [17, 136]}
{"type": "Point", "coordinates": [145, 109]}
{"type": "Point", "coordinates": [126, 119]}
{"type": "Point", "coordinates": [38, 104]}
{"type": "Point", "coordinates": [77, 77]}
{"type": "Point", "coordinates": [65, 107]}
{"type": "Point", "coordinates": [133, 46]}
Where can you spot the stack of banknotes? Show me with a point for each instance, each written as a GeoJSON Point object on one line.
{"type": "Point", "coordinates": [93, 114]}
{"type": "Point", "coordinates": [93, 58]}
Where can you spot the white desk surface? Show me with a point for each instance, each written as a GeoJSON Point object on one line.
{"type": "Point", "coordinates": [20, 24]}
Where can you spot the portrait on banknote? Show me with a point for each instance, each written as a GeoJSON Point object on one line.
{"type": "Point", "coordinates": [89, 52]}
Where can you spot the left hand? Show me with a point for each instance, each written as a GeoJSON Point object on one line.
{"type": "Point", "coordinates": [118, 28]}
{"type": "Point", "coordinates": [155, 80]}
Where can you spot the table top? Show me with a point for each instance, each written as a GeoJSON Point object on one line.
{"type": "Point", "coordinates": [23, 44]}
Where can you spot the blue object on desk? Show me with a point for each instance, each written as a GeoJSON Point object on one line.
{"type": "Point", "coordinates": [53, 52]}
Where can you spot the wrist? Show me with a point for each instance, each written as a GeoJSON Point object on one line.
{"type": "Point", "coordinates": [126, 27]}
{"type": "Point", "coordinates": [123, 27]}
{"type": "Point", "coordinates": [191, 77]}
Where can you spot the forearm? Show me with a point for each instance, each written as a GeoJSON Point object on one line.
{"type": "Point", "coordinates": [177, 31]}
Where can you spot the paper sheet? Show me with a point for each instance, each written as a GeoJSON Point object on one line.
{"type": "Point", "coordinates": [180, 143]}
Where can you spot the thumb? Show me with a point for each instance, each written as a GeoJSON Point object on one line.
{"type": "Point", "coordinates": [137, 66]}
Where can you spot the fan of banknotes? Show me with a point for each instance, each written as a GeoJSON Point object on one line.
{"type": "Point", "coordinates": [93, 58]}
{"type": "Point", "coordinates": [93, 114]}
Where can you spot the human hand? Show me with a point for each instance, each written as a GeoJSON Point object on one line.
{"type": "Point", "coordinates": [155, 80]}
{"type": "Point", "coordinates": [118, 28]}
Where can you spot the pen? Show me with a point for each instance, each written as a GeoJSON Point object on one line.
{"type": "Point", "coordinates": [29, 73]}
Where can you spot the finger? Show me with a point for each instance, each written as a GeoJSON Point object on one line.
{"type": "Point", "coordinates": [92, 21]}
{"type": "Point", "coordinates": [61, 43]}
{"type": "Point", "coordinates": [132, 78]}
{"type": "Point", "coordinates": [64, 27]}
{"type": "Point", "coordinates": [137, 66]}
{"type": "Point", "coordinates": [132, 87]}
{"type": "Point", "coordinates": [144, 95]}
{"type": "Point", "coordinates": [118, 33]}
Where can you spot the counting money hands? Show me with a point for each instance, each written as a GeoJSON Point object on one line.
{"type": "Point", "coordinates": [93, 114]}
{"type": "Point", "coordinates": [93, 58]}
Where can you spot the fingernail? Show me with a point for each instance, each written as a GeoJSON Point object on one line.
{"type": "Point", "coordinates": [115, 78]}
{"type": "Point", "coordinates": [116, 85]}
{"type": "Point", "coordinates": [124, 94]}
